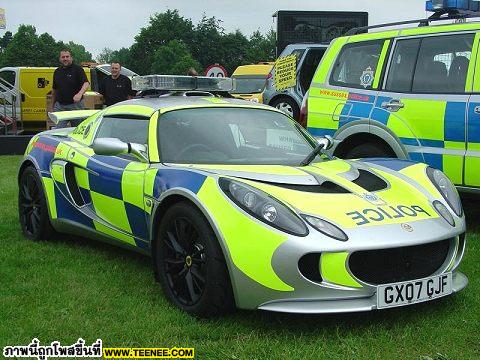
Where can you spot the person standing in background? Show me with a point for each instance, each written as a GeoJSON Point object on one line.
{"type": "Point", "coordinates": [69, 85]}
{"type": "Point", "coordinates": [116, 87]}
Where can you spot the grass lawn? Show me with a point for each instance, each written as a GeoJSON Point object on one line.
{"type": "Point", "coordinates": [70, 288]}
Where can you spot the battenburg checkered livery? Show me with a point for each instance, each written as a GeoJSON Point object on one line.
{"type": "Point", "coordinates": [238, 206]}
{"type": "Point", "coordinates": [410, 93]}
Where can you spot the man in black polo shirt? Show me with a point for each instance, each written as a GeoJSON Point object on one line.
{"type": "Point", "coordinates": [69, 85]}
{"type": "Point", "coordinates": [117, 87]}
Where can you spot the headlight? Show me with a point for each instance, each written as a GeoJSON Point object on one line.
{"type": "Point", "coordinates": [326, 228]}
{"type": "Point", "coordinates": [446, 188]}
{"type": "Point", "coordinates": [442, 210]}
{"type": "Point", "coordinates": [263, 207]}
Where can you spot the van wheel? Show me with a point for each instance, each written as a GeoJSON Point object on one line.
{"type": "Point", "coordinates": [190, 263]}
{"type": "Point", "coordinates": [288, 106]}
{"type": "Point", "coordinates": [369, 150]}
{"type": "Point", "coordinates": [32, 207]}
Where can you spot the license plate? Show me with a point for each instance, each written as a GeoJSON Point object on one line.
{"type": "Point", "coordinates": [415, 291]}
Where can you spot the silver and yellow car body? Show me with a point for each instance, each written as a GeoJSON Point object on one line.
{"type": "Point", "coordinates": [384, 207]}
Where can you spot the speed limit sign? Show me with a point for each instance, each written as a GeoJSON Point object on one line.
{"type": "Point", "coordinates": [216, 70]}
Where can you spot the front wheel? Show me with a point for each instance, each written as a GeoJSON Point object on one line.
{"type": "Point", "coordinates": [32, 206]}
{"type": "Point", "coordinates": [190, 263]}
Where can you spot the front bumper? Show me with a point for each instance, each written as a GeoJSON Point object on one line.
{"type": "Point", "coordinates": [335, 288]}
{"type": "Point", "coordinates": [308, 306]}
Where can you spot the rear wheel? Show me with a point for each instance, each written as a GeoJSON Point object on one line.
{"type": "Point", "coordinates": [32, 206]}
{"type": "Point", "coordinates": [288, 106]}
{"type": "Point", "coordinates": [190, 263]}
{"type": "Point", "coordinates": [369, 150]}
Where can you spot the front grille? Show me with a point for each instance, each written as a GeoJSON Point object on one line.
{"type": "Point", "coordinates": [398, 264]}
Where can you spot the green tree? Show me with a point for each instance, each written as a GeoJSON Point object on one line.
{"type": "Point", "coordinates": [105, 57]}
{"type": "Point", "coordinates": [173, 58]}
{"type": "Point", "coordinates": [163, 28]}
{"type": "Point", "coordinates": [48, 50]}
{"type": "Point", "coordinates": [234, 47]}
{"type": "Point", "coordinates": [79, 53]}
{"type": "Point", "coordinates": [206, 45]}
{"type": "Point", "coordinates": [22, 50]}
{"type": "Point", "coordinates": [261, 48]}
{"type": "Point", "coordinates": [5, 40]}
{"type": "Point", "coordinates": [123, 57]}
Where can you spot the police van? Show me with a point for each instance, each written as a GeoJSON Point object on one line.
{"type": "Point", "coordinates": [411, 93]}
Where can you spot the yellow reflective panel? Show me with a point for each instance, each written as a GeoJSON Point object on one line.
{"type": "Point", "coordinates": [132, 183]}
{"type": "Point", "coordinates": [327, 62]}
{"type": "Point", "coordinates": [113, 233]}
{"type": "Point", "coordinates": [418, 173]}
{"type": "Point", "coordinates": [111, 210]}
{"type": "Point", "coordinates": [436, 29]}
{"type": "Point", "coordinates": [373, 36]}
{"type": "Point", "coordinates": [49, 187]}
{"type": "Point", "coordinates": [130, 109]}
{"type": "Point", "coordinates": [334, 269]}
{"type": "Point", "coordinates": [152, 138]}
{"type": "Point", "coordinates": [251, 244]}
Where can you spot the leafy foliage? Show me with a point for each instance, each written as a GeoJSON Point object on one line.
{"type": "Point", "coordinates": [173, 58]}
{"type": "Point", "coordinates": [188, 45]}
{"type": "Point", "coordinates": [26, 48]}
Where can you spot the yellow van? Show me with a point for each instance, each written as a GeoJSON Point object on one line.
{"type": "Point", "coordinates": [25, 90]}
{"type": "Point", "coordinates": [250, 81]}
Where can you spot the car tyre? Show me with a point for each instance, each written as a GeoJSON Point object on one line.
{"type": "Point", "coordinates": [287, 105]}
{"type": "Point", "coordinates": [190, 264]}
{"type": "Point", "coordinates": [368, 150]}
{"type": "Point", "coordinates": [32, 207]}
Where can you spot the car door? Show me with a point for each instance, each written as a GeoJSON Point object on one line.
{"type": "Point", "coordinates": [425, 99]}
{"type": "Point", "coordinates": [350, 92]}
{"type": "Point", "coordinates": [472, 157]}
{"type": "Point", "coordinates": [109, 190]}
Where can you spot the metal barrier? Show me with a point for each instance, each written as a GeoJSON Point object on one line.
{"type": "Point", "coordinates": [9, 121]}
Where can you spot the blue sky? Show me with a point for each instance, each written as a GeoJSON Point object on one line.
{"type": "Point", "coordinates": [114, 24]}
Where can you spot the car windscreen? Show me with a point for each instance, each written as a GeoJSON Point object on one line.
{"type": "Point", "coordinates": [224, 135]}
{"type": "Point", "coordinates": [249, 84]}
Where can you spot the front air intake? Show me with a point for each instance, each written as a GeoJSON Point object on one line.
{"type": "Point", "coordinates": [387, 266]}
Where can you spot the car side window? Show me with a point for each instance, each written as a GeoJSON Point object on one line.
{"type": "Point", "coordinates": [126, 128]}
{"type": "Point", "coordinates": [442, 64]}
{"type": "Point", "coordinates": [310, 64]}
{"type": "Point", "coordinates": [8, 78]}
{"type": "Point", "coordinates": [356, 65]}
{"type": "Point", "coordinates": [402, 66]}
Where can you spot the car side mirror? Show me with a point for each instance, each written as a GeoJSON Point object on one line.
{"type": "Point", "coordinates": [114, 147]}
{"type": "Point", "coordinates": [327, 142]}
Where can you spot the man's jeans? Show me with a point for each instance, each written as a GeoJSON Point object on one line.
{"type": "Point", "coordinates": [68, 107]}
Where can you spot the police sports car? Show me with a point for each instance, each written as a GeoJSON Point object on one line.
{"type": "Point", "coordinates": [239, 206]}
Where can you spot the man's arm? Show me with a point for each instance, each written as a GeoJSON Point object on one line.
{"type": "Point", "coordinates": [54, 98]}
{"type": "Point", "coordinates": [78, 96]}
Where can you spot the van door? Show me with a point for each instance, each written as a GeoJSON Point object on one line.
{"type": "Point", "coordinates": [350, 93]}
{"type": "Point", "coordinates": [426, 97]}
{"type": "Point", "coordinates": [472, 158]}
{"type": "Point", "coordinates": [35, 83]}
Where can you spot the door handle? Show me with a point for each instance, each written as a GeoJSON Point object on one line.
{"type": "Point", "coordinates": [393, 105]}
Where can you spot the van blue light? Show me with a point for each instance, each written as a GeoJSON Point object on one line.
{"type": "Point", "coordinates": [461, 5]}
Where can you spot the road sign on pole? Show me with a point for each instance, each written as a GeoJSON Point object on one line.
{"type": "Point", "coordinates": [216, 70]}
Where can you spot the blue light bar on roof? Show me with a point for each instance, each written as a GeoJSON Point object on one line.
{"type": "Point", "coordinates": [461, 5]}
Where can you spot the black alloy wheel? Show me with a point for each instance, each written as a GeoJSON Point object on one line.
{"type": "Point", "coordinates": [184, 261]}
{"type": "Point", "coordinates": [32, 206]}
{"type": "Point", "coordinates": [189, 263]}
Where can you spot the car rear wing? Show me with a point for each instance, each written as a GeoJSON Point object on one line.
{"type": "Point", "coordinates": [77, 115]}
